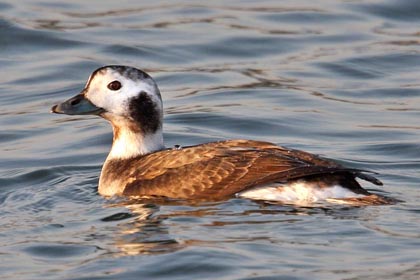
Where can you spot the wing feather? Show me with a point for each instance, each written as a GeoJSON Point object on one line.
{"type": "Point", "coordinates": [221, 169]}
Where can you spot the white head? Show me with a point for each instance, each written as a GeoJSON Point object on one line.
{"type": "Point", "coordinates": [130, 99]}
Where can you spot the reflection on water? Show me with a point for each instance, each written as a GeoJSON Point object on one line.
{"type": "Point", "coordinates": [145, 233]}
{"type": "Point", "coordinates": [337, 78]}
{"type": "Point", "coordinates": [153, 226]}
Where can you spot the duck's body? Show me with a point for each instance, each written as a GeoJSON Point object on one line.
{"type": "Point", "coordinates": [219, 170]}
{"type": "Point", "coordinates": [139, 165]}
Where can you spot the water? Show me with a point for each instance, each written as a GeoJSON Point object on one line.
{"type": "Point", "coordinates": [337, 78]}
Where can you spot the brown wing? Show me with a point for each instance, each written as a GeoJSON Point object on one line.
{"type": "Point", "coordinates": [221, 169]}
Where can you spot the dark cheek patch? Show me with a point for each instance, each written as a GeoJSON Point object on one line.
{"type": "Point", "coordinates": [144, 111]}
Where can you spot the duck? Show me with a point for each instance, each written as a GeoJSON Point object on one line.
{"type": "Point", "coordinates": [139, 164]}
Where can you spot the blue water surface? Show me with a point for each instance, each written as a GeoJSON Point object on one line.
{"type": "Point", "coordinates": [336, 78]}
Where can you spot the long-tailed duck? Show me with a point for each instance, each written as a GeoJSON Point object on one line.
{"type": "Point", "coordinates": [140, 165]}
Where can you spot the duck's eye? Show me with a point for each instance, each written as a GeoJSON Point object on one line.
{"type": "Point", "coordinates": [115, 85]}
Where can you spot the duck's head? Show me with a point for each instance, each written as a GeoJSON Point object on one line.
{"type": "Point", "coordinates": [127, 97]}
{"type": "Point", "coordinates": [116, 93]}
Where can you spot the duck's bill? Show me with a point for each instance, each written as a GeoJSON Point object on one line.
{"type": "Point", "coordinates": [78, 105]}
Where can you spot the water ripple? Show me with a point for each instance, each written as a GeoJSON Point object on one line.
{"type": "Point", "coordinates": [337, 78]}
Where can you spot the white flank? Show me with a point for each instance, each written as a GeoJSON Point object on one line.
{"type": "Point", "coordinates": [299, 193]}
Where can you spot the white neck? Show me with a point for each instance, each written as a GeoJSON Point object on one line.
{"type": "Point", "coordinates": [130, 143]}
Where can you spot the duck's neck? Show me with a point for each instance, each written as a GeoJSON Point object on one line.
{"type": "Point", "coordinates": [129, 141]}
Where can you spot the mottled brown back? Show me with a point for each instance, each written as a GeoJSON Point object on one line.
{"type": "Point", "coordinates": [221, 169]}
